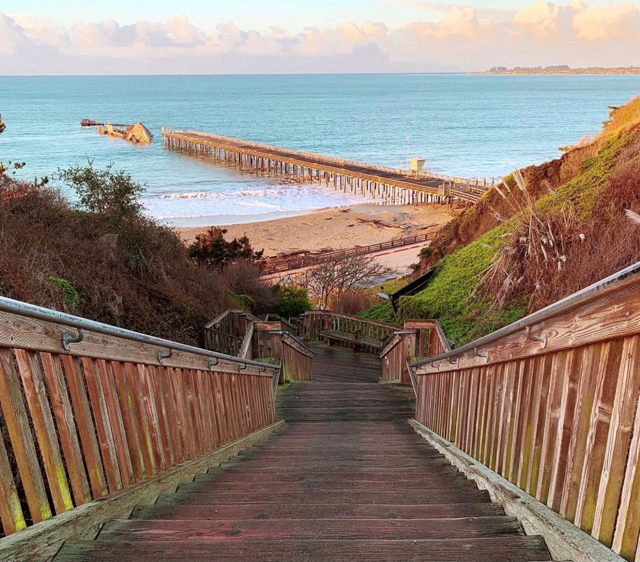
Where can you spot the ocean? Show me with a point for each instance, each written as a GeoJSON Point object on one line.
{"type": "Point", "coordinates": [463, 125]}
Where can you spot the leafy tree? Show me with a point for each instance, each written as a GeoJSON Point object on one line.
{"type": "Point", "coordinates": [110, 193]}
{"type": "Point", "coordinates": [212, 249]}
{"type": "Point", "coordinates": [293, 301]}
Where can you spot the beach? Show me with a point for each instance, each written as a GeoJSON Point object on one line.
{"type": "Point", "coordinates": [334, 228]}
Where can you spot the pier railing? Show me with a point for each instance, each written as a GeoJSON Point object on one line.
{"type": "Point", "coordinates": [89, 409]}
{"type": "Point", "coordinates": [551, 404]}
{"type": "Point", "coordinates": [343, 162]}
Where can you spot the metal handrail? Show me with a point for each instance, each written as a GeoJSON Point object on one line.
{"type": "Point", "coordinates": [554, 309]}
{"type": "Point", "coordinates": [12, 306]}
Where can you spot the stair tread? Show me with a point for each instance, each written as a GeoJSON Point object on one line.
{"type": "Point", "coordinates": [495, 549]}
{"type": "Point", "coordinates": [316, 511]}
{"type": "Point", "coordinates": [386, 498]}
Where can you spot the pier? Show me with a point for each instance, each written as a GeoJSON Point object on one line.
{"type": "Point", "coordinates": [381, 183]}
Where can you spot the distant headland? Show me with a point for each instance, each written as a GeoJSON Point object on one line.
{"type": "Point", "coordinates": [560, 69]}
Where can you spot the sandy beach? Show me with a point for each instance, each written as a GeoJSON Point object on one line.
{"type": "Point", "coordinates": [334, 228]}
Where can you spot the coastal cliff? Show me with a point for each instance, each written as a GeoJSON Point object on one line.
{"type": "Point", "coordinates": [544, 233]}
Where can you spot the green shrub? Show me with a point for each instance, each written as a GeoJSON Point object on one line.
{"type": "Point", "coordinates": [71, 297]}
{"type": "Point", "coordinates": [211, 249]}
{"type": "Point", "coordinates": [292, 301]}
{"type": "Point", "coordinates": [109, 193]}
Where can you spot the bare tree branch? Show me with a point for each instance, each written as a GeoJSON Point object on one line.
{"type": "Point", "coordinates": [336, 276]}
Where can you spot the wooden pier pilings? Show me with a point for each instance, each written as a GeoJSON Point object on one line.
{"type": "Point", "coordinates": [381, 183]}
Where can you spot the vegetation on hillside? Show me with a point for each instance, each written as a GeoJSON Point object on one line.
{"type": "Point", "coordinates": [536, 238]}
{"type": "Point", "coordinates": [105, 260]}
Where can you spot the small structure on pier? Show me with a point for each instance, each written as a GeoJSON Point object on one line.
{"type": "Point", "coordinates": [137, 133]}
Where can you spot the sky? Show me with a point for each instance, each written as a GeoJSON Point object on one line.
{"type": "Point", "coordinates": [307, 36]}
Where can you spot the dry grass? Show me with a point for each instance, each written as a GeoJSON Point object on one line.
{"type": "Point", "coordinates": [623, 118]}
{"type": "Point", "coordinates": [551, 254]}
{"type": "Point", "coordinates": [133, 273]}
{"type": "Point", "coordinates": [537, 244]}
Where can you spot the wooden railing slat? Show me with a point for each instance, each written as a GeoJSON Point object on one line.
{"type": "Point", "coordinates": [625, 540]}
{"type": "Point", "coordinates": [22, 443]}
{"type": "Point", "coordinates": [142, 419]}
{"type": "Point", "coordinates": [44, 428]}
{"type": "Point", "coordinates": [11, 515]}
{"type": "Point", "coordinates": [131, 430]}
{"type": "Point", "coordinates": [152, 417]}
{"type": "Point", "coordinates": [161, 412]}
{"type": "Point", "coordinates": [116, 423]}
{"type": "Point", "coordinates": [103, 425]}
{"type": "Point", "coordinates": [67, 433]}
{"type": "Point", "coordinates": [589, 361]}
{"type": "Point", "coordinates": [86, 427]}
{"type": "Point", "coordinates": [618, 442]}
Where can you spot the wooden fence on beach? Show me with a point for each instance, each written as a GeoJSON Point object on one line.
{"type": "Point", "coordinates": [278, 264]}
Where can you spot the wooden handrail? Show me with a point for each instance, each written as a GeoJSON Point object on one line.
{"type": "Point", "coordinates": [550, 403]}
{"type": "Point", "coordinates": [317, 322]}
{"type": "Point", "coordinates": [245, 348]}
{"type": "Point", "coordinates": [366, 321]}
{"type": "Point", "coordinates": [108, 408]}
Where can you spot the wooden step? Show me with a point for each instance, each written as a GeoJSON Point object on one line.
{"type": "Point", "coordinates": [508, 548]}
{"type": "Point", "coordinates": [416, 476]}
{"type": "Point", "coordinates": [301, 486]}
{"type": "Point", "coordinates": [338, 465]}
{"type": "Point", "coordinates": [315, 511]}
{"type": "Point", "coordinates": [353, 529]}
{"type": "Point", "coordinates": [413, 497]}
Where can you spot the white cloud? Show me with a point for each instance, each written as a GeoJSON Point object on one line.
{"type": "Point", "coordinates": [609, 21]}
{"type": "Point", "coordinates": [459, 38]}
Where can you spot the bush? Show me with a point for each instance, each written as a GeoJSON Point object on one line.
{"type": "Point", "coordinates": [213, 250]}
{"type": "Point", "coordinates": [110, 193]}
{"type": "Point", "coordinates": [292, 301]}
{"type": "Point", "coordinates": [132, 273]}
{"type": "Point", "coordinates": [353, 302]}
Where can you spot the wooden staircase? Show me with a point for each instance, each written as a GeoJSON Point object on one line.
{"type": "Point", "coordinates": [345, 480]}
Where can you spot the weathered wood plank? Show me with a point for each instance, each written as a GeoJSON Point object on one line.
{"type": "Point", "coordinates": [42, 541]}
{"type": "Point", "coordinates": [44, 428]}
{"type": "Point", "coordinates": [22, 443]}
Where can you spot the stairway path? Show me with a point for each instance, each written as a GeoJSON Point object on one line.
{"type": "Point", "coordinates": [345, 480]}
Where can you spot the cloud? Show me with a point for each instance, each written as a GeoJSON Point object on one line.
{"type": "Point", "coordinates": [460, 37]}
{"type": "Point", "coordinates": [610, 21]}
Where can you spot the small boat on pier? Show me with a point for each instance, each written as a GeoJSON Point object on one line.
{"type": "Point", "coordinates": [137, 133]}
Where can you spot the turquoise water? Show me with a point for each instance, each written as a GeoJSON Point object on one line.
{"type": "Point", "coordinates": [472, 126]}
